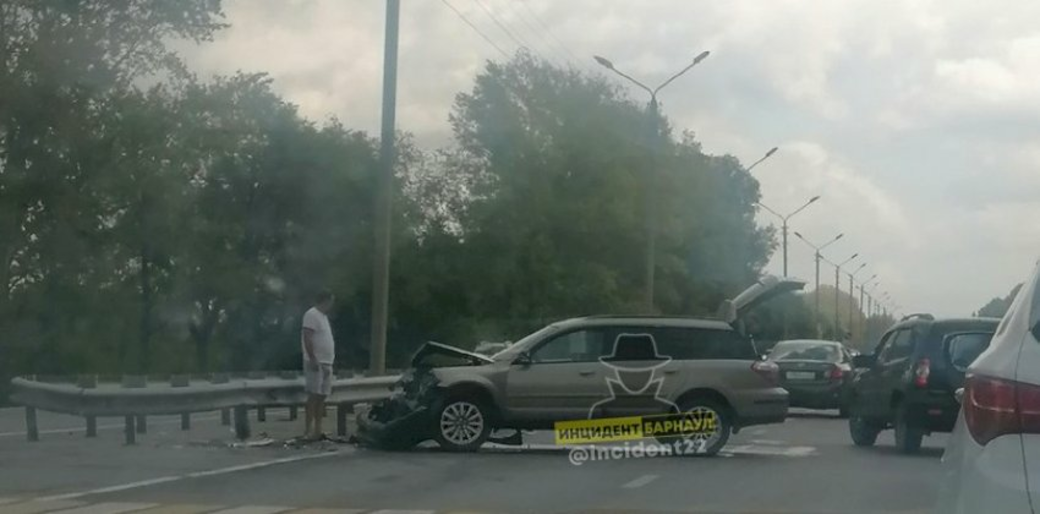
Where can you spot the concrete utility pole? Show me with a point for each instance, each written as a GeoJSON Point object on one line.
{"type": "Point", "coordinates": [384, 195]}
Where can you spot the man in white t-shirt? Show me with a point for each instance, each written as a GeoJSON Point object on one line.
{"type": "Point", "coordinates": [319, 352]}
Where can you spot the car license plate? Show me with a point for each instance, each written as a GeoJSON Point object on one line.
{"type": "Point", "coordinates": [801, 375]}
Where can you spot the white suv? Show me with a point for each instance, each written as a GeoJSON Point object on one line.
{"type": "Point", "coordinates": [992, 462]}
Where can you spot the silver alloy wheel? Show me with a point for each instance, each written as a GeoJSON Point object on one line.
{"type": "Point", "coordinates": [704, 440]}
{"type": "Point", "coordinates": [461, 423]}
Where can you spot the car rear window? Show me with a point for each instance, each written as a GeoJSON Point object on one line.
{"type": "Point", "coordinates": [702, 343]}
{"type": "Point", "coordinates": [806, 351]}
{"type": "Point", "coordinates": [962, 349]}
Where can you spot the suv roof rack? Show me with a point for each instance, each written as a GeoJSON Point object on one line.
{"type": "Point", "coordinates": [921, 315]}
{"type": "Point", "coordinates": [650, 316]}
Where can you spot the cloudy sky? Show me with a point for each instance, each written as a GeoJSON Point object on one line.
{"type": "Point", "coordinates": [918, 122]}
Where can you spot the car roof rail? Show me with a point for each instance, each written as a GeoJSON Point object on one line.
{"type": "Point", "coordinates": [921, 315]}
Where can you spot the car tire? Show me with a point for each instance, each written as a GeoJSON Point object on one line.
{"type": "Point", "coordinates": [462, 424]}
{"type": "Point", "coordinates": [692, 446]}
{"type": "Point", "coordinates": [908, 437]}
{"type": "Point", "coordinates": [863, 432]}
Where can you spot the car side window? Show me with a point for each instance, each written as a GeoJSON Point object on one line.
{"type": "Point", "coordinates": [702, 343]}
{"type": "Point", "coordinates": [882, 347]}
{"type": "Point", "coordinates": [584, 345]}
{"type": "Point", "coordinates": [900, 348]}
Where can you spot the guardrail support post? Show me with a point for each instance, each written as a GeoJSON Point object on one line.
{"type": "Point", "coordinates": [341, 419]}
{"type": "Point", "coordinates": [241, 422]}
{"type": "Point", "coordinates": [129, 431]}
{"type": "Point", "coordinates": [32, 431]}
{"type": "Point", "coordinates": [91, 426]}
{"type": "Point", "coordinates": [186, 421]}
{"type": "Point", "coordinates": [225, 417]}
{"type": "Point", "coordinates": [261, 414]}
{"type": "Point", "coordinates": [292, 413]}
{"type": "Point", "coordinates": [142, 425]}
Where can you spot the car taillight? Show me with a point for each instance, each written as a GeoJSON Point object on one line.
{"type": "Point", "coordinates": [767, 370]}
{"type": "Point", "coordinates": [836, 373]}
{"type": "Point", "coordinates": [994, 407]}
{"type": "Point", "coordinates": [924, 368]}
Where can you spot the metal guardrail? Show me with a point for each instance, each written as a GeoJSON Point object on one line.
{"type": "Point", "coordinates": [135, 398]}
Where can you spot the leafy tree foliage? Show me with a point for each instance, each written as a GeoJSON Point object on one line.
{"type": "Point", "coordinates": [997, 307]}
{"type": "Point", "coordinates": [185, 226]}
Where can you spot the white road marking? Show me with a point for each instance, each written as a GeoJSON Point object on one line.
{"type": "Point", "coordinates": [107, 508]}
{"type": "Point", "coordinates": [767, 441]}
{"type": "Point", "coordinates": [392, 511]}
{"type": "Point", "coordinates": [109, 427]}
{"type": "Point", "coordinates": [175, 478]}
{"type": "Point", "coordinates": [253, 509]}
{"type": "Point", "coordinates": [37, 506]}
{"type": "Point", "coordinates": [640, 482]}
{"type": "Point", "coordinates": [8, 500]}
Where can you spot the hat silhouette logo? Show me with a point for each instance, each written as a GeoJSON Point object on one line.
{"type": "Point", "coordinates": [635, 352]}
{"type": "Point", "coordinates": [634, 360]}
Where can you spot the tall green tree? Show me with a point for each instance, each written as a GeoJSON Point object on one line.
{"type": "Point", "coordinates": [62, 62]}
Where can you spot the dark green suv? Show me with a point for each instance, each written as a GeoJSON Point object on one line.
{"type": "Point", "coordinates": [908, 383]}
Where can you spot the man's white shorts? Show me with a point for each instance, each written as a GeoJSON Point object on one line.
{"type": "Point", "coordinates": [317, 380]}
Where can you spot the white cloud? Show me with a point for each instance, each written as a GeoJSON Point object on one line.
{"type": "Point", "coordinates": [915, 121]}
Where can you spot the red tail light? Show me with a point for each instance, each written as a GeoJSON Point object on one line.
{"type": "Point", "coordinates": [924, 368]}
{"type": "Point", "coordinates": [767, 370]}
{"type": "Point", "coordinates": [837, 373]}
{"type": "Point", "coordinates": [994, 407]}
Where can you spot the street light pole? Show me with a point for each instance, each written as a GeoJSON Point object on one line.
{"type": "Point", "coordinates": [652, 179]}
{"type": "Point", "coordinates": [384, 195]}
{"type": "Point", "coordinates": [852, 294]}
{"type": "Point", "coordinates": [837, 290]}
{"type": "Point", "coordinates": [817, 257]}
{"type": "Point", "coordinates": [783, 220]}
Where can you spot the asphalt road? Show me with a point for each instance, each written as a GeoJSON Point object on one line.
{"type": "Point", "coordinates": [806, 465]}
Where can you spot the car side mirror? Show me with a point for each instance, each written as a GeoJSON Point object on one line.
{"type": "Point", "coordinates": [863, 361]}
{"type": "Point", "coordinates": [523, 359]}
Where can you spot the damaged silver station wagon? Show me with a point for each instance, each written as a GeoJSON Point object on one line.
{"type": "Point", "coordinates": [590, 367]}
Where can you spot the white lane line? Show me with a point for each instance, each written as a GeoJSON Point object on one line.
{"type": "Point", "coordinates": [8, 500]}
{"type": "Point", "coordinates": [109, 427]}
{"type": "Point", "coordinates": [107, 508]}
{"type": "Point", "coordinates": [640, 482]}
{"type": "Point", "coordinates": [392, 511]}
{"type": "Point", "coordinates": [37, 506]}
{"type": "Point", "coordinates": [253, 509]}
{"type": "Point", "coordinates": [175, 478]}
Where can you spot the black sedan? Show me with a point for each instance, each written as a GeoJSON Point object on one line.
{"type": "Point", "coordinates": [817, 374]}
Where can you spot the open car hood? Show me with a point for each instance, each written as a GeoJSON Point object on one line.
{"type": "Point", "coordinates": [437, 355]}
{"type": "Point", "coordinates": [766, 288]}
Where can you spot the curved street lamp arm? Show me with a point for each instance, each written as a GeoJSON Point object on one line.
{"type": "Point", "coordinates": [802, 208]}
{"type": "Point", "coordinates": [653, 94]}
{"type": "Point", "coordinates": [777, 214]}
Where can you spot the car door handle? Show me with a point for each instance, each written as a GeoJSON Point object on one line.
{"type": "Point", "coordinates": [670, 371]}
{"type": "Point", "coordinates": [586, 372]}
